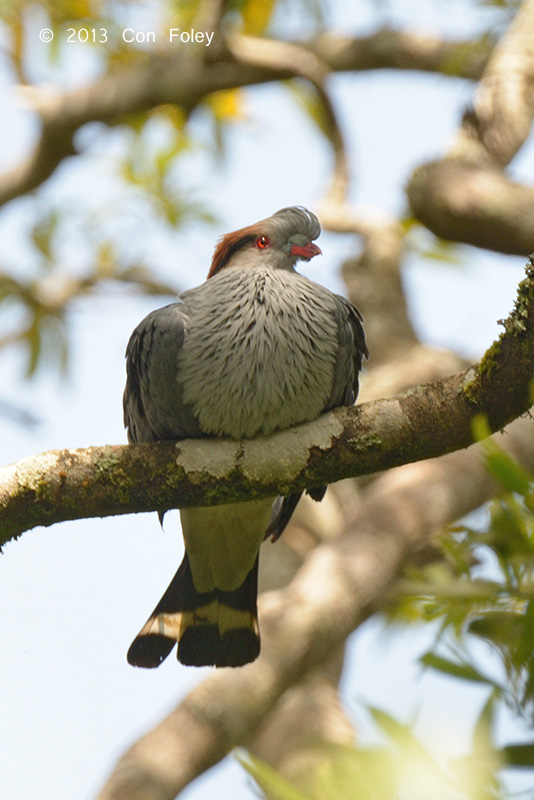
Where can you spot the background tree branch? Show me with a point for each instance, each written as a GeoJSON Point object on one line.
{"type": "Point", "coordinates": [492, 210]}
{"type": "Point", "coordinates": [183, 81]}
{"type": "Point", "coordinates": [302, 626]}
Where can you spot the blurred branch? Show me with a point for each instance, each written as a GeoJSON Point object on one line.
{"type": "Point", "coordinates": [479, 206]}
{"type": "Point", "coordinates": [184, 81]}
{"type": "Point", "coordinates": [308, 715]}
{"type": "Point", "coordinates": [47, 300]}
{"type": "Point", "coordinates": [373, 277]}
{"type": "Point", "coordinates": [301, 63]}
{"type": "Point", "coordinates": [407, 50]}
{"type": "Point", "coordinates": [300, 629]}
{"type": "Point", "coordinates": [18, 415]}
{"type": "Point", "coordinates": [422, 423]}
{"type": "Point", "coordinates": [210, 15]}
{"type": "Point", "coordinates": [466, 197]}
{"type": "Point", "coordinates": [499, 123]}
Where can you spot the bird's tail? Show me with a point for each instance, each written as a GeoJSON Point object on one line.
{"type": "Point", "coordinates": [212, 628]}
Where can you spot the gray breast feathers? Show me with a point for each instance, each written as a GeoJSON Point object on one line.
{"type": "Point", "coordinates": [247, 352]}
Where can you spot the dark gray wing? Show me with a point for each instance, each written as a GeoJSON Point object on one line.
{"type": "Point", "coordinates": [352, 350]}
{"type": "Point", "coordinates": [153, 408]}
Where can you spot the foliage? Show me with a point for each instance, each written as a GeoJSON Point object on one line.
{"type": "Point", "coordinates": [490, 596]}
{"type": "Point", "coordinates": [400, 767]}
{"type": "Point", "coordinates": [482, 601]}
{"type": "Point", "coordinates": [148, 175]}
{"type": "Point", "coordinates": [481, 598]}
{"type": "Point", "coordinates": [36, 299]}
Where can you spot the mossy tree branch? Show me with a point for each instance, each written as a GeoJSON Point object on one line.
{"type": "Point", "coordinates": [426, 421]}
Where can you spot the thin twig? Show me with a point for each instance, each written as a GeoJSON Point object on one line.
{"type": "Point", "coordinates": [301, 63]}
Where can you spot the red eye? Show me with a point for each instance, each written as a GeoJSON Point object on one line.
{"type": "Point", "coordinates": [262, 243]}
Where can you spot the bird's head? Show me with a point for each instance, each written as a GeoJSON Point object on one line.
{"type": "Point", "coordinates": [278, 242]}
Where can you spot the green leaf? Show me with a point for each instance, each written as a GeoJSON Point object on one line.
{"type": "Point", "coordinates": [511, 475]}
{"type": "Point", "coordinates": [344, 771]}
{"type": "Point", "coordinates": [310, 102]}
{"type": "Point", "coordinates": [274, 784]}
{"type": "Point", "coordinates": [483, 730]}
{"type": "Point", "coordinates": [480, 427]}
{"type": "Point", "coordinates": [413, 752]}
{"type": "Point", "coordinates": [466, 672]}
{"type": "Point", "coordinates": [443, 252]}
{"type": "Point", "coordinates": [43, 232]}
{"type": "Point", "coordinates": [520, 756]}
{"type": "Point", "coordinates": [34, 340]}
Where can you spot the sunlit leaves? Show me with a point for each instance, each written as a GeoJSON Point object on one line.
{"type": "Point", "coordinates": [400, 766]}
{"type": "Point", "coordinates": [22, 34]}
{"type": "Point", "coordinates": [433, 249]}
{"type": "Point", "coordinates": [479, 772]}
{"type": "Point", "coordinates": [223, 109]}
{"type": "Point", "coordinates": [151, 164]}
{"type": "Point", "coordinates": [40, 328]}
{"type": "Point", "coordinates": [456, 669]}
{"type": "Point", "coordinates": [481, 601]}
{"type": "Point", "coordinates": [338, 771]}
{"type": "Point", "coordinates": [156, 143]}
{"type": "Point", "coordinates": [42, 235]}
{"type": "Point", "coordinates": [270, 781]}
{"type": "Point", "coordinates": [485, 592]}
{"type": "Point", "coordinates": [256, 15]}
{"type": "Point", "coordinates": [309, 101]}
{"type": "Point", "coordinates": [40, 321]}
{"type": "Point", "coordinates": [35, 302]}
{"type": "Point", "coordinates": [510, 475]}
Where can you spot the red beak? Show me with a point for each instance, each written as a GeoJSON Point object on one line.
{"type": "Point", "coordinates": [307, 251]}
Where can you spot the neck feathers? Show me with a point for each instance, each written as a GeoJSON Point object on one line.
{"type": "Point", "coordinates": [228, 246]}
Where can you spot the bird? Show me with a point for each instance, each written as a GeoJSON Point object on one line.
{"type": "Point", "coordinates": [258, 347]}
